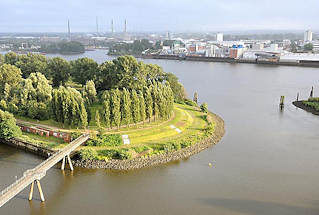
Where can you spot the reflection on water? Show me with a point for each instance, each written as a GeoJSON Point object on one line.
{"type": "Point", "coordinates": [267, 162]}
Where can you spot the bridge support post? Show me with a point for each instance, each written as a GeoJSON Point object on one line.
{"type": "Point", "coordinates": [39, 188]}
{"type": "Point", "coordinates": [63, 163]}
{"type": "Point", "coordinates": [31, 191]}
{"type": "Point", "coordinates": [65, 160]}
{"type": "Point", "coordinates": [70, 162]}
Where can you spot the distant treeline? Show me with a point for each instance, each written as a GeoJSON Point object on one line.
{"type": "Point", "coordinates": [135, 48]}
{"type": "Point", "coordinates": [63, 47]}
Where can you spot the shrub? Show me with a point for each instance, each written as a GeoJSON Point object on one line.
{"type": "Point", "coordinates": [120, 154]}
{"type": "Point", "coordinates": [105, 140]}
{"type": "Point", "coordinates": [204, 108]}
{"type": "Point", "coordinates": [8, 127]}
{"type": "Point", "coordinates": [88, 154]}
{"type": "Point", "coordinates": [75, 135]}
{"type": "Point", "coordinates": [190, 102]}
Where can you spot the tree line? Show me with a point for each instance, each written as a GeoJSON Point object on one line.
{"type": "Point", "coordinates": [124, 107]}
{"type": "Point", "coordinates": [129, 91]}
{"type": "Point", "coordinates": [122, 72]}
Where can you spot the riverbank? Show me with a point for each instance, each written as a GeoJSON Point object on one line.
{"type": "Point", "coordinates": [307, 108]}
{"type": "Point", "coordinates": [155, 160]}
{"type": "Point", "coordinates": [314, 64]}
{"type": "Point", "coordinates": [135, 163]}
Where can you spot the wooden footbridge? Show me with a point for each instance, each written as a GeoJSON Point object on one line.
{"type": "Point", "coordinates": [34, 175]}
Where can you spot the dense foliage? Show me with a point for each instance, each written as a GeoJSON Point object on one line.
{"type": "Point", "coordinates": [135, 48]}
{"type": "Point", "coordinates": [124, 107]}
{"type": "Point", "coordinates": [8, 127]}
{"type": "Point", "coordinates": [68, 107]}
{"type": "Point", "coordinates": [129, 91]}
{"type": "Point", "coordinates": [105, 140]}
{"type": "Point", "coordinates": [63, 47]}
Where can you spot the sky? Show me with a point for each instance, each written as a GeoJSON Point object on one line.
{"type": "Point", "coordinates": [158, 15]}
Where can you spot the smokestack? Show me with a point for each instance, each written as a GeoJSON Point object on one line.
{"type": "Point", "coordinates": [97, 26]}
{"type": "Point", "coordinates": [69, 30]}
{"type": "Point", "coordinates": [112, 26]}
{"type": "Point", "coordinates": [125, 26]}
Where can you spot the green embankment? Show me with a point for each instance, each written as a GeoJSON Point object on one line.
{"type": "Point", "coordinates": [187, 126]}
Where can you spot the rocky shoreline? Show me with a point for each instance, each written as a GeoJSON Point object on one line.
{"type": "Point", "coordinates": [301, 105]}
{"type": "Point", "coordinates": [138, 163]}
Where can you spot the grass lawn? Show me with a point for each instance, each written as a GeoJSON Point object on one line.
{"type": "Point", "coordinates": [189, 120]}
{"type": "Point", "coordinates": [187, 123]}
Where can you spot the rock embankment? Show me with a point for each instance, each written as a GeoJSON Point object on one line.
{"type": "Point", "coordinates": [138, 163]}
{"type": "Point", "coordinates": [301, 105]}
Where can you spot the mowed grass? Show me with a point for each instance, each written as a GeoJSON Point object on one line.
{"type": "Point", "coordinates": [189, 120]}
{"type": "Point", "coordinates": [186, 118]}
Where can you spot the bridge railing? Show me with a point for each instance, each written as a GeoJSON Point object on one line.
{"type": "Point", "coordinates": [12, 185]}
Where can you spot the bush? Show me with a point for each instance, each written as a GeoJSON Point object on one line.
{"type": "Point", "coordinates": [120, 154]}
{"type": "Point", "coordinates": [190, 102]}
{"type": "Point", "coordinates": [75, 135]}
{"type": "Point", "coordinates": [314, 99]}
{"type": "Point", "coordinates": [8, 127]}
{"type": "Point", "coordinates": [204, 108]}
{"type": "Point", "coordinates": [88, 154]}
{"type": "Point", "coordinates": [105, 140]}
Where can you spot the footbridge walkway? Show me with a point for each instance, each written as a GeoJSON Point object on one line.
{"type": "Point", "coordinates": [34, 175]}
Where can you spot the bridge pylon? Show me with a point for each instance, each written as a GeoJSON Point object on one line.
{"type": "Point", "coordinates": [65, 160]}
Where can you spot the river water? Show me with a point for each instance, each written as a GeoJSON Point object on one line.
{"type": "Point", "coordinates": [267, 162]}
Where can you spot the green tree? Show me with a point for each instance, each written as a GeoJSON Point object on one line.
{"type": "Point", "coordinates": [89, 92]}
{"type": "Point", "coordinates": [8, 127]}
{"type": "Point", "coordinates": [84, 69]}
{"type": "Point", "coordinates": [155, 98]}
{"type": "Point", "coordinates": [115, 108]}
{"type": "Point", "coordinates": [148, 103]}
{"type": "Point", "coordinates": [136, 112]}
{"type": "Point", "coordinates": [126, 107]}
{"type": "Point", "coordinates": [68, 107]}
{"type": "Point", "coordinates": [107, 113]}
{"type": "Point", "coordinates": [97, 119]}
{"type": "Point", "coordinates": [142, 106]}
{"type": "Point", "coordinates": [32, 63]}
{"type": "Point", "coordinates": [308, 47]}
{"type": "Point", "coordinates": [10, 58]}
{"type": "Point", "coordinates": [83, 116]}
{"type": "Point", "coordinates": [10, 75]}
{"type": "Point", "coordinates": [195, 98]}
{"type": "Point", "coordinates": [1, 59]}
{"type": "Point", "coordinates": [59, 70]}
{"type": "Point", "coordinates": [177, 88]}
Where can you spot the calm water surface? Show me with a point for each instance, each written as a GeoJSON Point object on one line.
{"type": "Point", "coordinates": [267, 162]}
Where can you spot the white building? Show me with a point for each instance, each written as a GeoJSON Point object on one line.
{"type": "Point", "coordinates": [211, 51]}
{"type": "Point", "coordinates": [220, 37]}
{"type": "Point", "coordinates": [308, 36]}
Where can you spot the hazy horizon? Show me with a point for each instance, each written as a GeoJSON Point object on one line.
{"type": "Point", "coordinates": [34, 16]}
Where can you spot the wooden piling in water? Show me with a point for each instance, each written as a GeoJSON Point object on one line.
{"type": "Point", "coordinates": [282, 101]}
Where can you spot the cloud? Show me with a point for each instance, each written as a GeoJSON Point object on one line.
{"type": "Point", "coordinates": [158, 15]}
